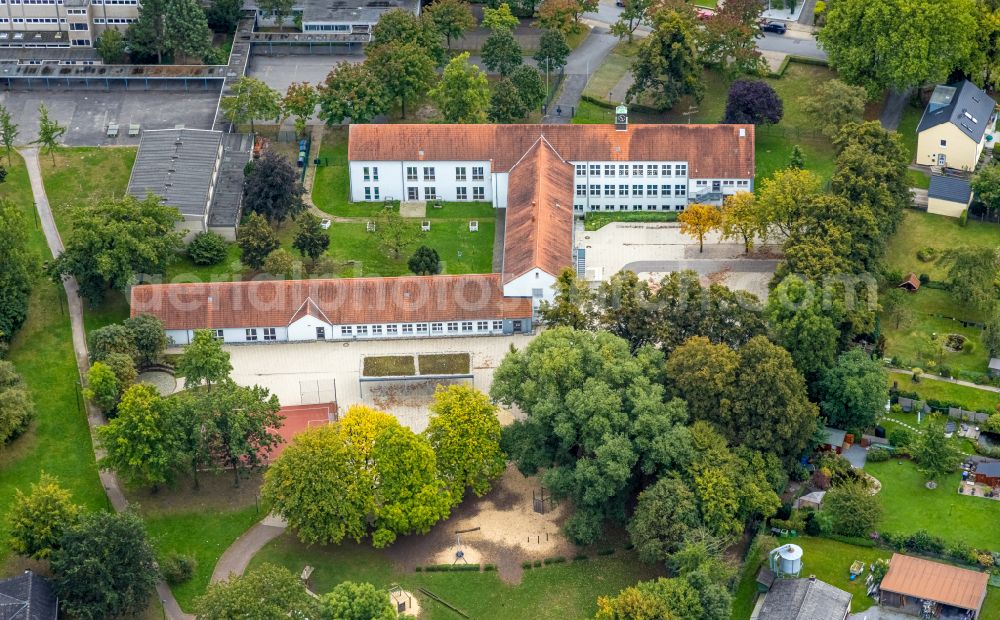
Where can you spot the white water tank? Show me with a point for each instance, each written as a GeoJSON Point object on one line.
{"type": "Point", "coordinates": [790, 559]}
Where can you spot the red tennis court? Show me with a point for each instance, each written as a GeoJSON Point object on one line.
{"type": "Point", "coordinates": [300, 417]}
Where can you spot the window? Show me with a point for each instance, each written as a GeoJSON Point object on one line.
{"type": "Point", "coordinates": [376, 330]}
{"type": "Point", "coordinates": [623, 190]}
{"type": "Point", "coordinates": [407, 328]}
{"type": "Point", "coordinates": [581, 190]}
{"type": "Point", "coordinates": [452, 327]}
{"type": "Point", "coordinates": [479, 193]}
{"type": "Point", "coordinates": [466, 326]}
{"type": "Point", "coordinates": [581, 170]}
{"type": "Point", "coordinates": [728, 183]}
{"type": "Point", "coordinates": [219, 335]}
{"type": "Point", "coordinates": [375, 189]}
{"type": "Point", "coordinates": [411, 173]}
{"type": "Point", "coordinates": [609, 207]}
{"type": "Point", "coordinates": [482, 326]}
{"type": "Point", "coordinates": [595, 170]}
{"type": "Point", "coordinates": [362, 330]}
{"type": "Point", "coordinates": [429, 173]}
{"type": "Point", "coordinates": [437, 328]}
{"type": "Point", "coordinates": [623, 170]}
{"type": "Point", "coordinates": [651, 170]}
{"type": "Point", "coordinates": [637, 190]}
{"type": "Point", "coordinates": [251, 335]}
{"type": "Point", "coordinates": [609, 170]}
{"type": "Point", "coordinates": [944, 143]}
{"type": "Point", "coordinates": [78, 26]}
{"type": "Point", "coordinates": [743, 184]}
{"type": "Point", "coordinates": [477, 173]}
{"type": "Point", "coordinates": [637, 170]}
{"type": "Point", "coordinates": [497, 326]}
{"type": "Point", "coordinates": [682, 170]}
{"type": "Point", "coordinates": [461, 193]}
{"type": "Point", "coordinates": [595, 190]}
{"type": "Point", "coordinates": [651, 207]}
{"type": "Point", "coordinates": [609, 190]}
{"type": "Point", "coordinates": [637, 207]}
{"type": "Point", "coordinates": [422, 328]}
{"type": "Point", "coordinates": [368, 193]}
{"type": "Point", "coordinates": [623, 207]}
{"type": "Point", "coordinates": [412, 193]}
{"type": "Point", "coordinates": [366, 171]}
{"type": "Point", "coordinates": [680, 190]}
{"type": "Point", "coordinates": [430, 192]}
{"type": "Point", "coordinates": [269, 334]}
{"type": "Point", "coordinates": [80, 42]}
{"type": "Point", "coordinates": [320, 333]}
{"type": "Point", "coordinates": [701, 183]}
{"type": "Point", "coordinates": [391, 330]}
{"type": "Point", "coordinates": [346, 330]}
{"type": "Point", "coordinates": [578, 207]}
{"type": "Point", "coordinates": [460, 173]}
{"type": "Point", "coordinates": [651, 190]}
{"type": "Point", "coordinates": [666, 170]}
{"type": "Point", "coordinates": [595, 207]}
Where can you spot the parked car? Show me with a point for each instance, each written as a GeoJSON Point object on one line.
{"type": "Point", "coordinates": [775, 27]}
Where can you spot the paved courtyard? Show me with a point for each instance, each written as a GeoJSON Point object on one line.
{"type": "Point", "coordinates": [285, 367]}
{"type": "Point", "coordinates": [280, 71]}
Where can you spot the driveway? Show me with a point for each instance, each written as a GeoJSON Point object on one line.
{"type": "Point", "coordinates": [580, 65]}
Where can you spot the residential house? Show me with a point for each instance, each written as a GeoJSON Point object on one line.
{"type": "Point", "coordinates": [802, 599]}
{"type": "Point", "coordinates": [952, 131]}
{"type": "Point", "coordinates": [948, 195]}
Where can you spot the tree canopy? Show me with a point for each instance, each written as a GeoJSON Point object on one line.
{"type": "Point", "coordinates": [754, 102]}
{"type": "Point", "coordinates": [854, 391]}
{"type": "Point", "coordinates": [264, 592]}
{"type": "Point", "coordinates": [463, 94]}
{"type": "Point", "coordinates": [357, 601]}
{"type": "Point", "coordinates": [666, 67]}
{"type": "Point", "coordinates": [204, 360]}
{"type": "Point", "coordinates": [16, 406]}
{"type": "Point", "coordinates": [272, 189]}
{"type": "Point", "coordinates": [351, 91]}
{"type": "Point", "coordinates": [20, 268]}
{"type": "Point", "coordinates": [39, 518]}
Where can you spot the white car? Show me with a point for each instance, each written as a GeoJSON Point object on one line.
{"type": "Point", "coordinates": [325, 223]}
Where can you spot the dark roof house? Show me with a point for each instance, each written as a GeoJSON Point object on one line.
{"type": "Point", "coordinates": [27, 597]}
{"type": "Point", "coordinates": [950, 188]}
{"type": "Point", "coordinates": [803, 599]}
{"type": "Point", "coordinates": [964, 105]}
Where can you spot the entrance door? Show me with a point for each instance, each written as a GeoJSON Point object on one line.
{"type": "Point", "coordinates": [517, 326]}
{"type": "Point", "coordinates": [942, 160]}
{"type": "Point", "coordinates": [716, 186]}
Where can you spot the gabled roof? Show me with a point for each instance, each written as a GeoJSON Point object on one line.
{"type": "Point", "coordinates": [309, 308]}
{"type": "Point", "coordinates": [952, 189]}
{"type": "Point", "coordinates": [934, 581]}
{"type": "Point", "coordinates": [911, 281]}
{"type": "Point", "coordinates": [27, 597]}
{"type": "Point", "coordinates": [177, 165]}
{"type": "Point", "coordinates": [712, 151]}
{"type": "Point", "coordinates": [804, 599]}
{"type": "Point", "coordinates": [964, 105]}
{"type": "Point", "coordinates": [539, 228]}
{"type": "Point", "coordinates": [346, 301]}
{"type": "Point", "coordinates": [834, 436]}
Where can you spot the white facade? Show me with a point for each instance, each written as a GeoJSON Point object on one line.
{"type": "Point", "coordinates": [62, 23]}
{"type": "Point", "coordinates": [537, 284]}
{"type": "Point", "coordinates": [453, 181]}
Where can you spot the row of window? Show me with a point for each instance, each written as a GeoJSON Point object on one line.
{"type": "Point", "coordinates": [611, 207]}
{"type": "Point", "coordinates": [270, 334]}
{"type": "Point", "coordinates": [127, 2]}
{"type": "Point", "coordinates": [32, 1]}
{"type": "Point", "coordinates": [115, 20]}
{"type": "Point", "coordinates": [430, 193]}
{"type": "Point", "coordinates": [637, 190]}
{"type": "Point", "coordinates": [34, 20]}
{"type": "Point", "coordinates": [637, 170]}
{"type": "Point", "coordinates": [430, 173]}
{"type": "Point", "coordinates": [326, 28]}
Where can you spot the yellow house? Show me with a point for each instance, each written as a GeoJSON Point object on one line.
{"type": "Point", "coordinates": [953, 129]}
{"type": "Point", "coordinates": [948, 195]}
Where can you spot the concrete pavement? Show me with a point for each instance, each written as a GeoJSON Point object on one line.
{"type": "Point", "coordinates": [236, 558]}
{"type": "Point", "coordinates": [580, 65]}
{"type": "Point", "coordinates": [892, 113]}
{"type": "Point", "coordinates": [75, 306]}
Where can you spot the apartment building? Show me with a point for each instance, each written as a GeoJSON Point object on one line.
{"type": "Point", "coordinates": [62, 23]}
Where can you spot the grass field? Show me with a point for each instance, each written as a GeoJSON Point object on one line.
{"type": "Point", "coordinates": [58, 441]}
{"type": "Point", "coordinates": [919, 230]}
{"type": "Point", "coordinates": [559, 592]}
{"type": "Point", "coordinates": [971, 398]}
{"type": "Point", "coordinates": [911, 506]}
{"type": "Point", "coordinates": [83, 175]}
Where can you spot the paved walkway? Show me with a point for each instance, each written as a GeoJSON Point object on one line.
{"type": "Point", "coordinates": [235, 559]}
{"type": "Point", "coordinates": [969, 384]}
{"type": "Point", "coordinates": [892, 113]}
{"type": "Point", "coordinates": [75, 306]}
{"type": "Point", "coordinates": [580, 65]}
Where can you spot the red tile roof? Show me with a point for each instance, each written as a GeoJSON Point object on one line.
{"type": "Point", "coordinates": [712, 151]}
{"type": "Point", "coordinates": [348, 301]}
{"type": "Point", "coordinates": [958, 587]}
{"type": "Point", "coordinates": [539, 228]}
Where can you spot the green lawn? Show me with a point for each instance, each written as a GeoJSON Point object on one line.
{"type": "Point", "coordinates": [929, 306]}
{"type": "Point", "coordinates": [58, 441]}
{"type": "Point", "coordinates": [971, 398]}
{"type": "Point", "coordinates": [83, 175]}
{"type": "Point", "coordinates": [564, 591]}
{"type": "Point", "coordinates": [600, 219]}
{"type": "Point", "coordinates": [907, 129]}
{"type": "Point", "coordinates": [911, 506]}
{"type": "Point", "coordinates": [331, 185]}
{"type": "Point", "coordinates": [919, 230]}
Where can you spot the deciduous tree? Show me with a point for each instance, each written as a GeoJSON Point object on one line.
{"type": "Point", "coordinates": [102, 388]}
{"type": "Point", "coordinates": [300, 102]}
{"type": "Point", "coordinates": [553, 50]}
{"type": "Point", "coordinates": [854, 509]}
{"type": "Point", "coordinates": [405, 70]}
{"type": "Point", "coordinates": [357, 601]}
{"type": "Point", "coordinates": [256, 241]}
{"type": "Point", "coordinates": [704, 374]}
{"type": "Point", "coordinates": [529, 85]}
{"type": "Point", "coordinates": [311, 240]}
{"type": "Point", "coordinates": [854, 391]}
{"type": "Point", "coordinates": [147, 36]}
{"type": "Point", "coordinates": [506, 105]}
{"type": "Point", "coordinates": [936, 455]}
{"type": "Point", "coordinates": [8, 131]}
{"type": "Point", "coordinates": [451, 17]}
{"type": "Point", "coordinates": [149, 337]}
{"type": "Point", "coordinates": [207, 248]}
{"type": "Point", "coordinates": [895, 304]}
{"type": "Point", "coordinates": [279, 9]}
{"type": "Point", "coordinates": [272, 189]}
{"type": "Point", "coordinates": [244, 426]}
{"type": "Point", "coordinates": [666, 67]}
{"type": "Point", "coordinates": [113, 338]}
{"type": "Point", "coordinates": [402, 27]}
{"type": "Point", "coordinates": [753, 101]}
{"type": "Point", "coordinates": [186, 29]}
{"type": "Point", "coordinates": [985, 183]}
{"type": "Point", "coordinates": [499, 18]}
{"type": "Point", "coordinates": [664, 515]}
{"type": "Point", "coordinates": [16, 407]}
{"type": "Point", "coordinates": [784, 197]}
{"type": "Point", "coordinates": [49, 132]}
{"type": "Point", "coordinates": [463, 94]}
{"type": "Point", "coordinates": [393, 233]}
{"type": "Point", "coordinates": [265, 591]}
{"type": "Point", "coordinates": [698, 220]}
{"type": "Point", "coordinates": [572, 305]}
{"type": "Point", "coordinates": [728, 41]}
{"type": "Point", "coordinates": [834, 104]}
{"type": "Point", "coordinates": [39, 518]}
{"type": "Point", "coordinates": [251, 100]}
{"type": "Point", "coordinates": [501, 52]}
{"type": "Point", "coordinates": [204, 361]}
{"type": "Point", "coordinates": [805, 322]}
{"type": "Point", "coordinates": [635, 14]}
{"type": "Point", "coordinates": [20, 267]}
{"type": "Point", "coordinates": [991, 333]}
{"type": "Point", "coordinates": [224, 15]}
{"type": "Point", "coordinates": [111, 47]}
{"type": "Point", "coordinates": [351, 91]}
{"type": "Point", "coordinates": [742, 219]}
{"type": "Point", "coordinates": [559, 15]}
{"type": "Point", "coordinates": [973, 274]}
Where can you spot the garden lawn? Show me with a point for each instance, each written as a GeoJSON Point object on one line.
{"type": "Point", "coordinates": [599, 219]}
{"type": "Point", "coordinates": [919, 230]}
{"type": "Point", "coordinates": [911, 506]}
{"type": "Point", "coordinates": [907, 128]}
{"type": "Point", "coordinates": [563, 591]}
{"type": "Point", "coordinates": [58, 441]}
{"type": "Point", "coordinates": [971, 398]}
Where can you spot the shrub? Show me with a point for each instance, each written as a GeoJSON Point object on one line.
{"type": "Point", "coordinates": [419, 569]}
{"type": "Point", "coordinates": [924, 278]}
{"type": "Point", "coordinates": [177, 568]}
{"type": "Point", "coordinates": [878, 455]}
{"type": "Point", "coordinates": [556, 560]}
{"type": "Point", "coordinates": [926, 255]}
{"type": "Point", "coordinates": [538, 563]}
{"type": "Point", "coordinates": [985, 559]}
{"type": "Point", "coordinates": [963, 220]}
{"type": "Point", "coordinates": [579, 558]}
{"type": "Point", "coordinates": [526, 565]}
{"type": "Point", "coordinates": [489, 567]}
{"type": "Point", "coordinates": [207, 248]}
{"type": "Point", "coordinates": [923, 541]}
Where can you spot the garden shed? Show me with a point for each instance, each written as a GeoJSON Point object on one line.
{"type": "Point", "coordinates": [802, 599]}
{"type": "Point", "coordinates": [911, 283]}
{"type": "Point", "coordinates": [918, 587]}
{"type": "Point", "coordinates": [833, 439]}
{"type": "Point", "coordinates": [987, 471]}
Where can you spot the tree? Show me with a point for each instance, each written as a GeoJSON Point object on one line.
{"type": "Point", "coordinates": [425, 262]}
{"type": "Point", "coordinates": [114, 240]}
{"type": "Point", "coordinates": [805, 323]}
{"type": "Point", "coordinates": [666, 66]}
{"type": "Point", "coordinates": [351, 91]}
{"type": "Point", "coordinates": [529, 85]}
{"type": "Point", "coordinates": [501, 52]}
{"type": "Point", "coordinates": [256, 241]}
{"type": "Point", "coordinates": [635, 14]}
{"type": "Point", "coordinates": [499, 18]}
{"type": "Point", "coordinates": [506, 105]}
{"type": "Point", "coordinates": [244, 423]}
{"type": "Point", "coordinates": [357, 601]}
{"type": "Point", "coordinates": [703, 374]}
{"type": "Point", "coordinates": [393, 233]}
{"type": "Point", "coordinates": [462, 94]}
{"type": "Point", "coordinates": [265, 591]}
{"type": "Point", "coordinates": [973, 274]}
{"type": "Point", "coordinates": [464, 432]}
{"type": "Point", "coordinates": [8, 131]}
{"type": "Point", "coordinates": [661, 599]}
{"type": "Point", "coordinates": [113, 338]}
{"type": "Point", "coordinates": [553, 50]}
{"type": "Point", "coordinates": [251, 99]}
{"type": "Point", "coordinates": [224, 15]}
{"type": "Point", "coordinates": [935, 454]}
{"type": "Point", "coordinates": [186, 29]}
{"type": "Point", "coordinates": [401, 27]}
{"type": "Point", "coordinates": [111, 47]}
{"type": "Point", "coordinates": [49, 132]}
{"type": "Point", "coordinates": [741, 219]}
{"type": "Point", "coordinates": [854, 391]}
{"type": "Point", "coordinates": [149, 337]}
{"type": "Point", "coordinates": [300, 101]}
{"type": "Point", "coordinates": [572, 305]}
{"type": "Point", "coordinates": [104, 567]}
{"type": "Point", "coordinates": [559, 15]}
{"type": "Point", "coordinates": [279, 9]}
{"type": "Point", "coordinates": [451, 17]}
{"type": "Point", "coordinates": [855, 511]}
{"type": "Point", "coordinates": [204, 361]}
{"type": "Point", "coordinates": [282, 264]}
{"type": "Point", "coordinates": [753, 101]}
{"type": "Point", "coordinates": [20, 266]}
{"type": "Point", "coordinates": [991, 334]}
{"type": "Point", "coordinates": [797, 159]}
{"type": "Point", "coordinates": [207, 248]}
{"type": "Point", "coordinates": [405, 69]}
{"type": "Point", "coordinates": [698, 220]}
{"type": "Point", "coordinates": [124, 369]}
{"type": "Point", "coordinates": [147, 37]}
{"type": "Point", "coordinates": [38, 519]}
{"type": "Point", "coordinates": [664, 515]}
{"type": "Point", "coordinates": [883, 44]}
{"type": "Point", "coordinates": [985, 183]}
{"type": "Point", "coordinates": [784, 196]}
{"type": "Point", "coordinates": [311, 240]}
{"type": "Point", "coordinates": [835, 104]}
{"type": "Point", "coordinates": [102, 388]}
{"type": "Point", "coordinates": [272, 189]}
{"type": "Point", "coordinates": [16, 407]}
{"type": "Point", "coordinates": [896, 307]}
{"type": "Point", "coordinates": [728, 41]}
